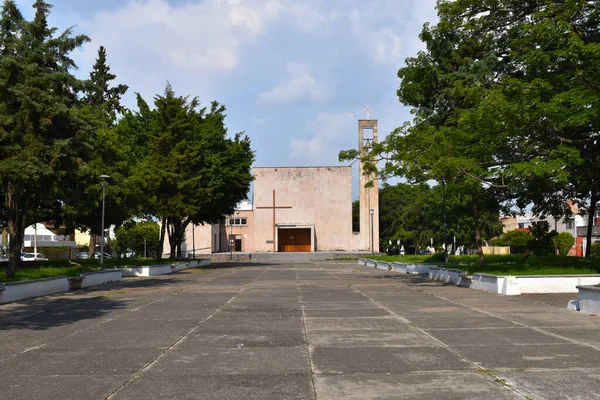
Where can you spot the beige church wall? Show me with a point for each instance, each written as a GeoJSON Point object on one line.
{"type": "Point", "coordinates": [245, 231]}
{"type": "Point", "coordinates": [319, 196]}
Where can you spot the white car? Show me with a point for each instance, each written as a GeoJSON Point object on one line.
{"type": "Point", "coordinates": [33, 257]}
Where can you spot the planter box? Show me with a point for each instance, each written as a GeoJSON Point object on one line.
{"type": "Point", "coordinates": [14, 291]}
{"type": "Point", "coordinates": [101, 277]}
{"type": "Point", "coordinates": [589, 299]}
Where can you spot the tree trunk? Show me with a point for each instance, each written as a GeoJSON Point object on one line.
{"type": "Point", "coordinates": [594, 198]}
{"type": "Point", "coordinates": [161, 241]}
{"type": "Point", "coordinates": [179, 238]}
{"type": "Point", "coordinates": [172, 239]}
{"type": "Point", "coordinates": [16, 229]}
{"type": "Point", "coordinates": [477, 230]}
{"type": "Point", "coordinates": [92, 248]}
{"type": "Point", "coordinates": [180, 234]}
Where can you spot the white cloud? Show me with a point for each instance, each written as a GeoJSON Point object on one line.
{"type": "Point", "coordinates": [152, 41]}
{"type": "Point", "coordinates": [259, 121]}
{"type": "Point", "coordinates": [301, 86]}
{"type": "Point", "coordinates": [324, 146]}
{"type": "Point", "coordinates": [388, 33]}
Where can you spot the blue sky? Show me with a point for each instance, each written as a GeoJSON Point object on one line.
{"type": "Point", "coordinates": [295, 75]}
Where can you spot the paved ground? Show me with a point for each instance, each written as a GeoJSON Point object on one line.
{"type": "Point", "coordinates": [315, 330]}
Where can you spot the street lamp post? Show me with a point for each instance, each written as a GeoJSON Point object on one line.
{"type": "Point", "coordinates": [372, 211]}
{"type": "Point", "coordinates": [444, 218]}
{"type": "Point", "coordinates": [194, 241]}
{"type": "Point", "coordinates": [103, 178]}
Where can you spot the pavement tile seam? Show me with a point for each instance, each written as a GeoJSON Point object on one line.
{"type": "Point", "coordinates": [165, 351]}
{"type": "Point", "coordinates": [475, 365]}
{"type": "Point", "coordinates": [308, 351]}
{"type": "Point", "coordinates": [535, 328]}
{"type": "Point", "coordinates": [104, 321]}
{"type": "Point", "coordinates": [479, 328]}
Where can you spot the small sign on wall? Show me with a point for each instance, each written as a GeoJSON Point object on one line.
{"type": "Point", "coordinates": [269, 242]}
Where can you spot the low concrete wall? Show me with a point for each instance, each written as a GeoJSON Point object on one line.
{"type": "Point", "coordinates": [487, 283]}
{"type": "Point", "coordinates": [163, 269]}
{"type": "Point", "coordinates": [361, 261]}
{"type": "Point", "coordinates": [448, 275]}
{"type": "Point", "coordinates": [150, 270]}
{"type": "Point", "coordinates": [555, 283]}
{"type": "Point", "coordinates": [101, 277]}
{"type": "Point", "coordinates": [14, 291]}
{"type": "Point", "coordinates": [190, 264]}
{"type": "Point", "coordinates": [516, 285]}
{"type": "Point", "coordinates": [384, 265]}
{"type": "Point", "coordinates": [371, 263]}
{"type": "Point", "coordinates": [589, 299]}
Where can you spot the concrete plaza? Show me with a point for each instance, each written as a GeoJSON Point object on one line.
{"type": "Point", "coordinates": [297, 330]}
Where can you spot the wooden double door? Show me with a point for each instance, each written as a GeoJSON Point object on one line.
{"type": "Point", "coordinates": [294, 240]}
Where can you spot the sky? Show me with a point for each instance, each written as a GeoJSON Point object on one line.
{"type": "Point", "coordinates": [295, 75]}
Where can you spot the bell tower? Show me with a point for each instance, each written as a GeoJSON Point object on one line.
{"type": "Point", "coordinates": [369, 196]}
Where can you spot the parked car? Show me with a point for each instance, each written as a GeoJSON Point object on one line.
{"type": "Point", "coordinates": [33, 257]}
{"type": "Point", "coordinates": [84, 255]}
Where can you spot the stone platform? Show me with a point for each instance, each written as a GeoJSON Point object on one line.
{"type": "Point", "coordinates": [286, 257]}
{"type": "Point", "coordinates": [296, 330]}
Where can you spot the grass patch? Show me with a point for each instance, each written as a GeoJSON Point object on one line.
{"type": "Point", "coordinates": [93, 263]}
{"type": "Point", "coordinates": [513, 264]}
{"type": "Point", "coordinates": [410, 259]}
{"type": "Point", "coordinates": [528, 269]}
{"type": "Point", "coordinates": [50, 272]}
{"type": "Point", "coordinates": [48, 269]}
{"type": "Point", "coordinates": [532, 265]}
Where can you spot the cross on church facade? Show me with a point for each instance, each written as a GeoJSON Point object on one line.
{"type": "Point", "coordinates": [274, 207]}
{"type": "Point", "coordinates": [368, 110]}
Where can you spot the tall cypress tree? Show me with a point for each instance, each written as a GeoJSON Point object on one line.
{"type": "Point", "coordinates": [102, 104]}
{"type": "Point", "coordinates": [41, 134]}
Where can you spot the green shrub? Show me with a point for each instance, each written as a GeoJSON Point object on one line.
{"type": "Point", "coordinates": [518, 240]}
{"type": "Point", "coordinates": [564, 241]}
{"type": "Point", "coordinates": [595, 249]}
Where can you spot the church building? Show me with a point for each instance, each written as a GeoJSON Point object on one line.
{"type": "Point", "coordinates": [297, 209]}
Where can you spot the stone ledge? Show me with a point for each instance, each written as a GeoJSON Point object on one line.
{"type": "Point", "coordinates": [19, 290]}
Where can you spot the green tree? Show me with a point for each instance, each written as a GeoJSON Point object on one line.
{"type": "Point", "coordinates": [493, 102]}
{"type": "Point", "coordinates": [595, 252]}
{"type": "Point", "coordinates": [564, 241]}
{"type": "Point", "coordinates": [193, 172]}
{"type": "Point", "coordinates": [42, 134]}
{"type": "Point", "coordinates": [413, 215]}
{"type": "Point", "coordinates": [142, 237]}
{"type": "Point", "coordinates": [111, 156]}
{"type": "Point", "coordinates": [520, 241]}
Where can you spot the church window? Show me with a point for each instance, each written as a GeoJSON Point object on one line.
{"type": "Point", "coordinates": [238, 221]}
